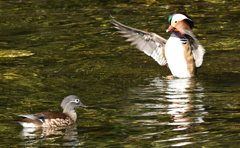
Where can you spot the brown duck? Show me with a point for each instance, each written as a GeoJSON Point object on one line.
{"type": "Point", "coordinates": [54, 118]}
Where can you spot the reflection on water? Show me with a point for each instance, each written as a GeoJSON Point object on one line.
{"type": "Point", "coordinates": [180, 99]}
{"type": "Point", "coordinates": [67, 136]}
{"type": "Point", "coordinates": [14, 53]}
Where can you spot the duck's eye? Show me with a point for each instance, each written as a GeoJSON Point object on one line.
{"type": "Point", "coordinates": [77, 100]}
{"type": "Point", "coordinates": [175, 21]}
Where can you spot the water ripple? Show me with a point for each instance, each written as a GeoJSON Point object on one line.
{"type": "Point", "coordinates": [173, 104]}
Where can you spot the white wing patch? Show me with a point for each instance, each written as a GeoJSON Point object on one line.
{"type": "Point", "coordinates": [27, 124]}
{"type": "Point", "coordinates": [198, 55]}
{"type": "Point", "coordinates": [157, 55]}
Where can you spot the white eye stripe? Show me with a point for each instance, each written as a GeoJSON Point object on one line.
{"type": "Point", "coordinates": [180, 17]}
{"type": "Point", "coordinates": [75, 101]}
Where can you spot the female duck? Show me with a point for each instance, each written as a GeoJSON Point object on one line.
{"type": "Point", "coordinates": [54, 118]}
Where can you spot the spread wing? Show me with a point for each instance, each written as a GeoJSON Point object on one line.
{"type": "Point", "coordinates": [197, 49]}
{"type": "Point", "coordinates": [150, 43]}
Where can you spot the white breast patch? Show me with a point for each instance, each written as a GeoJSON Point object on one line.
{"type": "Point", "coordinates": [174, 53]}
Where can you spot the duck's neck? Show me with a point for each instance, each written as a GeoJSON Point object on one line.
{"type": "Point", "coordinates": [72, 114]}
{"type": "Point", "coordinates": [182, 27]}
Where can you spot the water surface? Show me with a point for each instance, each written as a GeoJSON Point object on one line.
{"type": "Point", "coordinates": [51, 49]}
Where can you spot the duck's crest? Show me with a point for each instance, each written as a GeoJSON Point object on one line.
{"type": "Point", "coordinates": [170, 18]}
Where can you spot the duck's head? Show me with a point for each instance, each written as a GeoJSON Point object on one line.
{"type": "Point", "coordinates": [71, 102]}
{"type": "Point", "coordinates": [179, 20]}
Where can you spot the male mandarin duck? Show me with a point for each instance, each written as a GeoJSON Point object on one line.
{"type": "Point", "coordinates": [182, 52]}
{"type": "Point", "coordinates": [54, 118]}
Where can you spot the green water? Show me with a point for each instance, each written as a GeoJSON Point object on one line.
{"type": "Point", "coordinates": [51, 49]}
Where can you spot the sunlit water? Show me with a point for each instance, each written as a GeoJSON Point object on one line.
{"type": "Point", "coordinates": [174, 104]}
{"type": "Point", "coordinates": [51, 49]}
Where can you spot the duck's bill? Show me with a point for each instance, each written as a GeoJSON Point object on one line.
{"type": "Point", "coordinates": [81, 105]}
{"type": "Point", "coordinates": [169, 28]}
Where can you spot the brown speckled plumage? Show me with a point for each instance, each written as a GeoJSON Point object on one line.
{"type": "Point", "coordinates": [54, 118]}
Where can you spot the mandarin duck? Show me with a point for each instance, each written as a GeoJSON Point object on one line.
{"type": "Point", "coordinates": [54, 118]}
{"type": "Point", "coordinates": [182, 53]}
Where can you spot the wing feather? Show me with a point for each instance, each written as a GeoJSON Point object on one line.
{"type": "Point", "coordinates": [148, 42]}
{"type": "Point", "coordinates": [197, 49]}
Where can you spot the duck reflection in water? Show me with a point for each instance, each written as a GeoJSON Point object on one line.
{"type": "Point", "coordinates": [180, 99]}
{"type": "Point", "coordinates": [182, 94]}
{"type": "Point", "coordinates": [67, 136]}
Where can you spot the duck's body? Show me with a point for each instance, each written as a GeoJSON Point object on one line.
{"type": "Point", "coordinates": [54, 118]}
{"type": "Point", "coordinates": [174, 54]}
{"type": "Point", "coordinates": [46, 119]}
{"type": "Point", "coordinates": [182, 52]}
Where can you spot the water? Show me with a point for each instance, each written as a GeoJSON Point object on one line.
{"type": "Point", "coordinates": [51, 49]}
